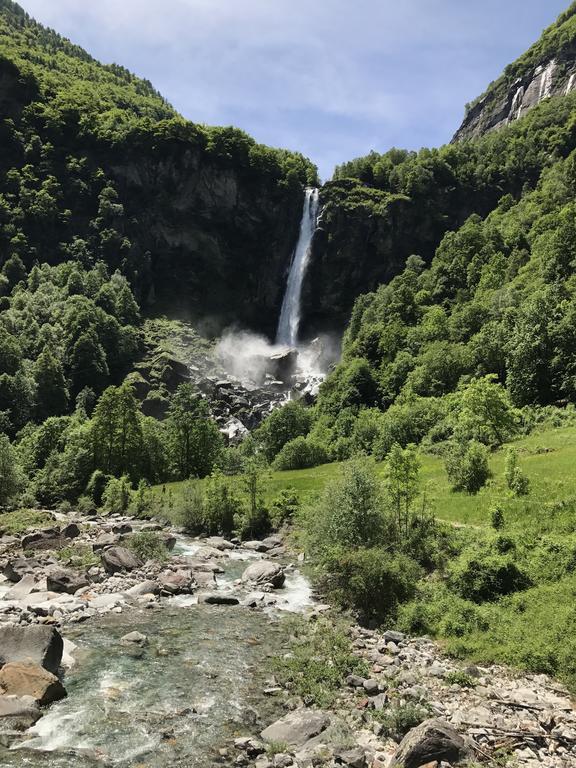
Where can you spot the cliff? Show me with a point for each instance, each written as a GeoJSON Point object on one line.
{"type": "Point", "coordinates": [547, 69]}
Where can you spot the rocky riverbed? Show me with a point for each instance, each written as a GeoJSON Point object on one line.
{"type": "Point", "coordinates": [137, 663]}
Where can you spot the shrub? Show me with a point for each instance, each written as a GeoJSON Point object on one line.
{"type": "Point", "coordinates": [147, 545]}
{"type": "Point", "coordinates": [398, 719]}
{"type": "Point", "coordinates": [189, 511]}
{"type": "Point", "coordinates": [301, 453]}
{"type": "Point", "coordinates": [482, 578]}
{"type": "Point", "coordinates": [373, 582]}
{"type": "Point", "coordinates": [284, 508]}
{"type": "Point", "coordinates": [497, 518]}
{"type": "Point", "coordinates": [516, 480]}
{"type": "Point", "coordinates": [321, 659]}
{"type": "Point", "coordinates": [117, 495]}
{"type": "Point", "coordinates": [221, 504]}
{"type": "Point", "coordinates": [467, 467]}
{"type": "Point", "coordinates": [458, 677]}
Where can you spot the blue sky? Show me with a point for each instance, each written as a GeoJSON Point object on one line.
{"type": "Point", "coordinates": [332, 79]}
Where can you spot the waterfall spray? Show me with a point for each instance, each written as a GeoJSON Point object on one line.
{"type": "Point", "coordinates": [289, 323]}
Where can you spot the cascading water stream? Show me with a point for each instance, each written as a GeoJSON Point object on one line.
{"type": "Point", "coordinates": [288, 325]}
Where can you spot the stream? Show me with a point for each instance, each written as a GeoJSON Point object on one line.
{"type": "Point", "coordinates": [198, 683]}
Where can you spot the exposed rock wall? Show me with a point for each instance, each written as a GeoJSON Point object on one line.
{"type": "Point", "coordinates": [509, 100]}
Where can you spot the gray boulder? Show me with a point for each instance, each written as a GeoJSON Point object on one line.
{"type": "Point", "coordinates": [433, 740]}
{"type": "Point", "coordinates": [134, 639]}
{"type": "Point", "coordinates": [14, 570]}
{"type": "Point", "coordinates": [265, 572]}
{"type": "Point", "coordinates": [63, 580]}
{"type": "Point", "coordinates": [176, 582]}
{"type": "Point", "coordinates": [218, 598]}
{"type": "Point", "coordinates": [71, 531]}
{"type": "Point", "coordinates": [36, 643]}
{"type": "Point", "coordinates": [17, 713]}
{"type": "Point", "coordinates": [296, 728]}
{"type": "Point", "coordinates": [118, 559]}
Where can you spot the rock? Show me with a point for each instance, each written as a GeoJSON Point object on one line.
{"type": "Point", "coordinates": [23, 588]}
{"type": "Point", "coordinates": [18, 713]}
{"type": "Point", "coordinates": [176, 582]}
{"type": "Point", "coordinates": [14, 570]}
{"type": "Point", "coordinates": [169, 541]}
{"type": "Point", "coordinates": [134, 639]}
{"type": "Point", "coordinates": [256, 546]}
{"type": "Point", "coordinates": [144, 588]}
{"type": "Point", "coordinates": [27, 679]}
{"type": "Point", "coordinates": [265, 572]}
{"type": "Point", "coordinates": [63, 580]}
{"type": "Point", "coordinates": [71, 531]}
{"type": "Point", "coordinates": [219, 542]}
{"type": "Point", "coordinates": [103, 541]}
{"type": "Point", "coordinates": [205, 579]}
{"type": "Point", "coordinates": [38, 644]}
{"type": "Point", "coordinates": [371, 687]}
{"type": "Point", "coordinates": [47, 539]}
{"type": "Point", "coordinates": [391, 636]}
{"type": "Point", "coordinates": [121, 529]}
{"type": "Point", "coordinates": [118, 559]}
{"type": "Point", "coordinates": [296, 728]}
{"type": "Point", "coordinates": [355, 758]}
{"type": "Point", "coordinates": [219, 598]}
{"type": "Point", "coordinates": [432, 740]}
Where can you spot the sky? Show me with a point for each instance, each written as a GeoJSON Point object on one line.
{"type": "Point", "coordinates": [332, 79]}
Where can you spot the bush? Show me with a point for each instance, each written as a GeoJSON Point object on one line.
{"type": "Point", "coordinates": [147, 545]}
{"type": "Point", "coordinates": [221, 504]}
{"type": "Point", "coordinates": [284, 508]}
{"type": "Point", "coordinates": [301, 453]}
{"type": "Point", "coordinates": [282, 426]}
{"type": "Point", "coordinates": [373, 582]}
{"type": "Point", "coordinates": [516, 480]}
{"type": "Point", "coordinates": [467, 467]}
{"type": "Point", "coordinates": [117, 495]}
{"type": "Point", "coordinates": [497, 518]}
{"type": "Point", "coordinates": [482, 578]}
{"type": "Point", "coordinates": [189, 511]}
{"type": "Point", "coordinates": [398, 719]}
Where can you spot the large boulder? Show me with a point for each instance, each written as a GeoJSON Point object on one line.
{"type": "Point", "coordinates": [64, 580]}
{"type": "Point", "coordinates": [265, 572]}
{"type": "Point", "coordinates": [19, 678]}
{"type": "Point", "coordinates": [16, 569]}
{"type": "Point", "coordinates": [36, 643]}
{"type": "Point", "coordinates": [176, 582]}
{"type": "Point", "coordinates": [296, 728]}
{"type": "Point", "coordinates": [71, 531]}
{"type": "Point", "coordinates": [118, 559]}
{"type": "Point", "coordinates": [433, 740]}
{"type": "Point", "coordinates": [17, 713]}
{"type": "Point", "coordinates": [49, 538]}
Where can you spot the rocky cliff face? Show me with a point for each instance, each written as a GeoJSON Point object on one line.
{"type": "Point", "coordinates": [511, 100]}
{"type": "Point", "coordinates": [214, 243]}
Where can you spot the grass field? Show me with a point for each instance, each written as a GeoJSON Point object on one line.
{"type": "Point", "coordinates": [547, 457]}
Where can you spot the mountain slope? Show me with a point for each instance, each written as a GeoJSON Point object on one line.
{"type": "Point", "coordinates": [98, 166]}
{"type": "Point", "coordinates": [547, 69]}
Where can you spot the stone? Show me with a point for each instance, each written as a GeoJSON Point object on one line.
{"type": "Point", "coordinates": [71, 531]}
{"type": "Point", "coordinates": [265, 572]}
{"type": "Point", "coordinates": [391, 636]}
{"type": "Point", "coordinates": [371, 687]}
{"type": "Point", "coordinates": [16, 569]}
{"type": "Point", "coordinates": [432, 740]}
{"type": "Point", "coordinates": [176, 582]}
{"type": "Point", "coordinates": [41, 539]}
{"type": "Point", "coordinates": [19, 678]}
{"type": "Point", "coordinates": [103, 541]}
{"type": "Point", "coordinates": [117, 559]}
{"type": "Point", "coordinates": [354, 681]}
{"type": "Point", "coordinates": [18, 713]}
{"type": "Point", "coordinates": [134, 639]}
{"type": "Point", "coordinates": [219, 598]}
{"type": "Point", "coordinates": [144, 588]}
{"type": "Point", "coordinates": [205, 579]}
{"type": "Point", "coordinates": [41, 645]}
{"type": "Point", "coordinates": [23, 588]}
{"type": "Point", "coordinates": [122, 528]}
{"type": "Point", "coordinates": [296, 728]}
{"type": "Point", "coordinates": [355, 758]}
{"type": "Point", "coordinates": [219, 542]}
{"type": "Point", "coordinates": [256, 546]}
{"type": "Point", "coordinates": [65, 580]}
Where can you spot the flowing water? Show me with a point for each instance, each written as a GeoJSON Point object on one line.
{"type": "Point", "coordinates": [290, 315]}
{"type": "Point", "coordinates": [197, 684]}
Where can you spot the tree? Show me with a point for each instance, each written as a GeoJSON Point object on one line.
{"type": "Point", "coordinates": [402, 485]}
{"type": "Point", "coordinates": [52, 392]}
{"type": "Point", "coordinates": [10, 471]}
{"type": "Point", "coordinates": [282, 426]}
{"type": "Point", "coordinates": [117, 432]}
{"type": "Point", "coordinates": [88, 366]}
{"type": "Point", "coordinates": [516, 480]}
{"type": "Point", "coordinates": [467, 466]}
{"type": "Point", "coordinates": [485, 413]}
{"type": "Point", "coordinates": [253, 520]}
{"type": "Point", "coordinates": [193, 437]}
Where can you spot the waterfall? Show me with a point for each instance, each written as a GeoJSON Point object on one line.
{"type": "Point", "coordinates": [287, 333]}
